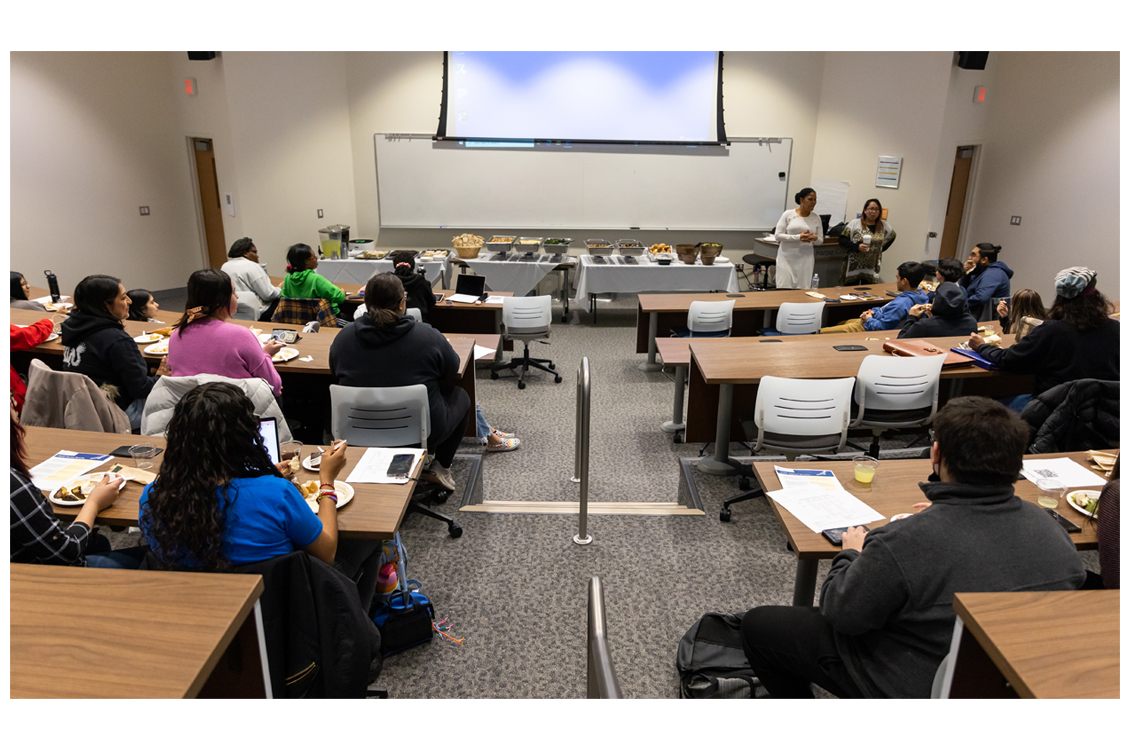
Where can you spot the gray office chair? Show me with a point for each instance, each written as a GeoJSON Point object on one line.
{"type": "Point", "coordinates": [894, 392]}
{"type": "Point", "coordinates": [526, 319]}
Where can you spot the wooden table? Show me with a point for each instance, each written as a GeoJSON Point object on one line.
{"type": "Point", "coordinates": [894, 490]}
{"type": "Point", "coordinates": [724, 374]}
{"type": "Point", "coordinates": [374, 512]}
{"type": "Point", "coordinates": [752, 311]}
{"type": "Point", "coordinates": [99, 633]}
{"type": "Point", "coordinates": [1035, 644]}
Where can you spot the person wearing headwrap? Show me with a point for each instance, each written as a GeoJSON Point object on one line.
{"type": "Point", "coordinates": [1078, 340]}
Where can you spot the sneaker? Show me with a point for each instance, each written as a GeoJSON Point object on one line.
{"type": "Point", "coordinates": [436, 474]}
{"type": "Point", "coordinates": [507, 444]}
{"type": "Point", "coordinates": [497, 434]}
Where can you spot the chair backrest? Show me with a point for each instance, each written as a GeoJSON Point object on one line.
{"type": "Point", "coordinates": [414, 313]}
{"type": "Point", "coordinates": [380, 417]}
{"type": "Point", "coordinates": [526, 317]}
{"type": "Point", "coordinates": [168, 391]}
{"type": "Point", "coordinates": [247, 306]}
{"type": "Point", "coordinates": [897, 391]}
{"type": "Point", "coordinates": [300, 311]}
{"type": "Point", "coordinates": [803, 416]}
{"type": "Point", "coordinates": [69, 400]}
{"type": "Point", "coordinates": [710, 317]}
{"type": "Point", "coordinates": [800, 317]}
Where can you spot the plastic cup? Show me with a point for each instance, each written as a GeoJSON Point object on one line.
{"type": "Point", "coordinates": [143, 455]}
{"type": "Point", "coordinates": [1051, 492]}
{"type": "Point", "coordinates": [865, 467]}
{"type": "Point", "coordinates": [291, 451]}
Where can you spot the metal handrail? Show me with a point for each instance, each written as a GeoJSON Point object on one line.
{"type": "Point", "coordinates": [581, 462]}
{"type": "Point", "coordinates": [602, 682]}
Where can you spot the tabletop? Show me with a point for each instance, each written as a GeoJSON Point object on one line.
{"type": "Point", "coordinates": [895, 490]}
{"type": "Point", "coordinates": [1049, 644]}
{"type": "Point", "coordinates": [374, 512]}
{"type": "Point", "coordinates": [97, 633]}
{"type": "Point", "coordinates": [650, 303]}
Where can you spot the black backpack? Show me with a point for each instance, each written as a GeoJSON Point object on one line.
{"type": "Point", "coordinates": [712, 663]}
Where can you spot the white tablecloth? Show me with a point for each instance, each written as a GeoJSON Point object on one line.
{"type": "Point", "coordinates": [358, 270]}
{"type": "Point", "coordinates": [648, 276]}
{"type": "Point", "coordinates": [519, 277]}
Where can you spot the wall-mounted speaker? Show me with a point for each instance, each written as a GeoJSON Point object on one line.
{"type": "Point", "coordinates": [969, 60]}
{"type": "Point", "coordinates": [212, 56]}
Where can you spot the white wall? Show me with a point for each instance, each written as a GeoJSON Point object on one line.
{"type": "Point", "coordinates": [1052, 158]}
{"type": "Point", "coordinates": [93, 137]}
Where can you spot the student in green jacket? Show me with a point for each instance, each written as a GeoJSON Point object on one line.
{"type": "Point", "coordinates": [302, 283]}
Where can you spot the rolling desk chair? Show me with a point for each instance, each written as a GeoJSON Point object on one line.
{"type": "Point", "coordinates": [526, 319]}
{"type": "Point", "coordinates": [893, 392]}
{"type": "Point", "coordinates": [707, 319]}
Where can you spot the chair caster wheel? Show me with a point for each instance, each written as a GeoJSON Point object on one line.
{"type": "Point", "coordinates": [724, 516]}
{"type": "Point", "coordinates": [552, 366]}
{"type": "Point", "coordinates": [494, 376]}
{"type": "Point", "coordinates": [455, 531]}
{"type": "Point", "coordinates": [521, 386]}
{"type": "Point", "coordinates": [743, 484]}
{"type": "Point", "coordinates": [564, 318]}
{"type": "Point", "coordinates": [678, 437]}
{"type": "Point", "coordinates": [557, 379]}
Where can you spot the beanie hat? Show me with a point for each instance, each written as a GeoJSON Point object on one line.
{"type": "Point", "coordinates": [1070, 282]}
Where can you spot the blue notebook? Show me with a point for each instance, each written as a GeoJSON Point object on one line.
{"type": "Point", "coordinates": [978, 360]}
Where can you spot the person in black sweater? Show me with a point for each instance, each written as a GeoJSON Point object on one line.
{"type": "Point", "coordinates": [419, 290]}
{"type": "Point", "coordinates": [96, 345]}
{"type": "Point", "coordinates": [1078, 340]}
{"type": "Point", "coordinates": [947, 316]}
{"type": "Point", "coordinates": [385, 349]}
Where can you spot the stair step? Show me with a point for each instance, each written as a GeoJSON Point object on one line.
{"type": "Point", "coordinates": [605, 509]}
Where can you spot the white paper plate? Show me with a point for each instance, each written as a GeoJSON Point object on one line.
{"type": "Point", "coordinates": [148, 338]}
{"type": "Point", "coordinates": [52, 337]}
{"type": "Point", "coordinates": [83, 481]}
{"type": "Point", "coordinates": [1092, 494]}
{"type": "Point", "coordinates": [285, 354]}
{"type": "Point", "coordinates": [161, 347]}
{"type": "Point", "coordinates": [344, 495]}
{"type": "Point", "coordinates": [309, 465]}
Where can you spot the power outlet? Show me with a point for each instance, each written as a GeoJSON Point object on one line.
{"type": "Point", "coordinates": [144, 210]}
{"type": "Point", "coordinates": [1015, 221]}
{"type": "Point", "coordinates": [320, 213]}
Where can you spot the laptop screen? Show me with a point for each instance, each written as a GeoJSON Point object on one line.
{"type": "Point", "coordinates": [270, 432]}
{"type": "Point", "coordinates": [470, 284]}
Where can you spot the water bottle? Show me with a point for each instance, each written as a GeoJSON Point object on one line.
{"type": "Point", "coordinates": [815, 281]}
{"type": "Point", "coordinates": [52, 285]}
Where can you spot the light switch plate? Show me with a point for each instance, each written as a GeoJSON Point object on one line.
{"type": "Point", "coordinates": [144, 210]}
{"type": "Point", "coordinates": [229, 204]}
{"type": "Point", "coordinates": [320, 213]}
{"type": "Point", "coordinates": [1015, 221]}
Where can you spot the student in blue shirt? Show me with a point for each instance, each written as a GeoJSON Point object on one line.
{"type": "Point", "coordinates": [218, 502]}
{"type": "Point", "coordinates": [891, 315]}
{"type": "Point", "coordinates": [985, 279]}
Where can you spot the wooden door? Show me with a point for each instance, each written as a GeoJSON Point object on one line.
{"type": "Point", "coordinates": [955, 209]}
{"type": "Point", "coordinates": [210, 202]}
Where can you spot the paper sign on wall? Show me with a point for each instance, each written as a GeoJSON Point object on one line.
{"type": "Point", "coordinates": [887, 175]}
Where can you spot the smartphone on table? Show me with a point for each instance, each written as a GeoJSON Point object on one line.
{"type": "Point", "coordinates": [1069, 527]}
{"type": "Point", "coordinates": [836, 536]}
{"type": "Point", "coordinates": [401, 466]}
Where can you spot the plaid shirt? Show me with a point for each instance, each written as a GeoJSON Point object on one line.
{"type": "Point", "coordinates": [299, 312]}
{"type": "Point", "coordinates": [36, 535]}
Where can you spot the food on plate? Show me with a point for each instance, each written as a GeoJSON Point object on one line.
{"type": "Point", "coordinates": [660, 248]}
{"type": "Point", "coordinates": [467, 239]}
{"type": "Point", "coordinates": [372, 254]}
{"type": "Point", "coordinates": [309, 489]}
{"type": "Point", "coordinates": [1088, 500]}
{"type": "Point", "coordinates": [62, 493]}
{"type": "Point", "coordinates": [166, 331]}
{"type": "Point", "coordinates": [159, 348]}
{"type": "Point", "coordinates": [990, 335]}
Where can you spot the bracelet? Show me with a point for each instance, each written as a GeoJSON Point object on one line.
{"type": "Point", "coordinates": [326, 484]}
{"type": "Point", "coordinates": [328, 494]}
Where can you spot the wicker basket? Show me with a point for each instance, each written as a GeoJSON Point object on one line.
{"type": "Point", "coordinates": [468, 251]}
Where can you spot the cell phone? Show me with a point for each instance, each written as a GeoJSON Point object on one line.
{"type": "Point", "coordinates": [400, 466]}
{"type": "Point", "coordinates": [439, 297]}
{"type": "Point", "coordinates": [850, 348]}
{"type": "Point", "coordinates": [769, 341]}
{"type": "Point", "coordinates": [836, 536]}
{"type": "Point", "coordinates": [1069, 527]}
{"type": "Point", "coordinates": [123, 452]}
{"type": "Point", "coordinates": [284, 335]}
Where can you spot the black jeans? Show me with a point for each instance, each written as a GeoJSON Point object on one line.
{"type": "Point", "coordinates": [270, 311]}
{"type": "Point", "coordinates": [790, 648]}
{"type": "Point", "coordinates": [445, 446]}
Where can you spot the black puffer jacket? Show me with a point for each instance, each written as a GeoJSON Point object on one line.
{"type": "Point", "coordinates": [1077, 416]}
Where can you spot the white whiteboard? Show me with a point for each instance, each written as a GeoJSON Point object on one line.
{"type": "Point", "coordinates": [423, 184]}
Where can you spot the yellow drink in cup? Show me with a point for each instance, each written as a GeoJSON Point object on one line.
{"type": "Point", "coordinates": [865, 467]}
{"type": "Point", "coordinates": [331, 248]}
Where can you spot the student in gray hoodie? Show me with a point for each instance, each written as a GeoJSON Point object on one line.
{"type": "Point", "coordinates": [886, 617]}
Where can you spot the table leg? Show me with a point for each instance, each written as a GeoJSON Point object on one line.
{"type": "Point", "coordinates": [804, 588]}
{"type": "Point", "coordinates": [565, 294]}
{"type": "Point", "coordinates": [956, 386]}
{"type": "Point", "coordinates": [592, 306]}
{"type": "Point", "coordinates": [676, 424]}
{"type": "Point", "coordinates": [720, 465]}
{"type": "Point", "coordinates": [652, 331]}
{"type": "Point", "coordinates": [767, 319]}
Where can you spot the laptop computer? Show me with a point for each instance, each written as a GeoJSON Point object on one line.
{"type": "Point", "coordinates": [469, 288]}
{"type": "Point", "coordinates": [270, 432]}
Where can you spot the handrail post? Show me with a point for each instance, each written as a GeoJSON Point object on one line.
{"type": "Point", "coordinates": [577, 448]}
{"type": "Point", "coordinates": [602, 682]}
{"type": "Point", "coordinates": [584, 398]}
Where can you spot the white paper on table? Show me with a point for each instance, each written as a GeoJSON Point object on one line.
{"type": "Point", "coordinates": [818, 509]}
{"type": "Point", "coordinates": [373, 466]}
{"type": "Point", "coordinates": [306, 359]}
{"type": "Point", "coordinates": [494, 300]}
{"type": "Point", "coordinates": [47, 300]}
{"type": "Point", "coordinates": [63, 467]}
{"type": "Point", "coordinates": [1064, 470]}
{"type": "Point", "coordinates": [482, 351]}
{"type": "Point", "coordinates": [823, 479]}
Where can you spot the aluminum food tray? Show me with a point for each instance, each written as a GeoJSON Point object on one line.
{"type": "Point", "coordinates": [630, 250]}
{"type": "Point", "coordinates": [498, 247]}
{"type": "Point", "coordinates": [600, 250]}
{"type": "Point", "coordinates": [528, 246]}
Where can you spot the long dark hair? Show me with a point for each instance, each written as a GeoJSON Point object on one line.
{"type": "Point", "coordinates": [18, 460]}
{"type": "Point", "coordinates": [212, 439]}
{"type": "Point", "coordinates": [138, 299]}
{"type": "Point", "coordinates": [208, 289]}
{"type": "Point", "coordinates": [18, 285]}
{"type": "Point", "coordinates": [383, 295]}
{"type": "Point", "coordinates": [296, 257]}
{"type": "Point", "coordinates": [878, 219]}
{"type": "Point", "coordinates": [1026, 303]}
{"type": "Point", "coordinates": [405, 257]}
{"type": "Point", "coordinates": [1085, 311]}
{"type": "Point", "coordinates": [93, 294]}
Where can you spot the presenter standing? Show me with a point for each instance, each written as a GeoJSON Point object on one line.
{"type": "Point", "coordinates": [866, 239]}
{"type": "Point", "coordinates": [797, 232]}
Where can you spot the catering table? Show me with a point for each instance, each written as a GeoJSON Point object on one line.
{"type": "Point", "coordinates": [519, 276]}
{"type": "Point", "coordinates": [645, 275]}
{"type": "Point", "coordinates": [358, 270]}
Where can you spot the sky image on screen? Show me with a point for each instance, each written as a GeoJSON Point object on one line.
{"type": "Point", "coordinates": [600, 96]}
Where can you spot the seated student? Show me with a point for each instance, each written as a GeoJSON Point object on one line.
{"type": "Point", "coordinates": [23, 338]}
{"type": "Point", "coordinates": [419, 289]}
{"type": "Point", "coordinates": [302, 283]}
{"type": "Point", "coordinates": [37, 536]}
{"type": "Point", "coordinates": [1078, 340]}
{"type": "Point", "coordinates": [1025, 304]}
{"type": "Point", "coordinates": [496, 441]}
{"type": "Point", "coordinates": [20, 290]}
{"type": "Point", "coordinates": [947, 315]}
{"type": "Point", "coordinates": [384, 349]}
{"type": "Point", "coordinates": [889, 316]}
{"type": "Point", "coordinates": [985, 278]}
{"type": "Point", "coordinates": [96, 344]}
{"type": "Point", "coordinates": [248, 276]}
{"type": "Point", "coordinates": [886, 618]}
{"type": "Point", "coordinates": [219, 502]}
{"type": "Point", "coordinates": [142, 306]}
{"type": "Point", "coordinates": [948, 269]}
{"type": "Point", "coordinates": [204, 342]}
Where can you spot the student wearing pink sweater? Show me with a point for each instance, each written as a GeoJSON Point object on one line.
{"type": "Point", "coordinates": [203, 342]}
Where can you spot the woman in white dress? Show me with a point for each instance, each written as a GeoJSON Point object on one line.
{"type": "Point", "coordinates": [798, 231]}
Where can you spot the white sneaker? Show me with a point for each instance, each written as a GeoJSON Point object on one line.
{"type": "Point", "coordinates": [436, 474]}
